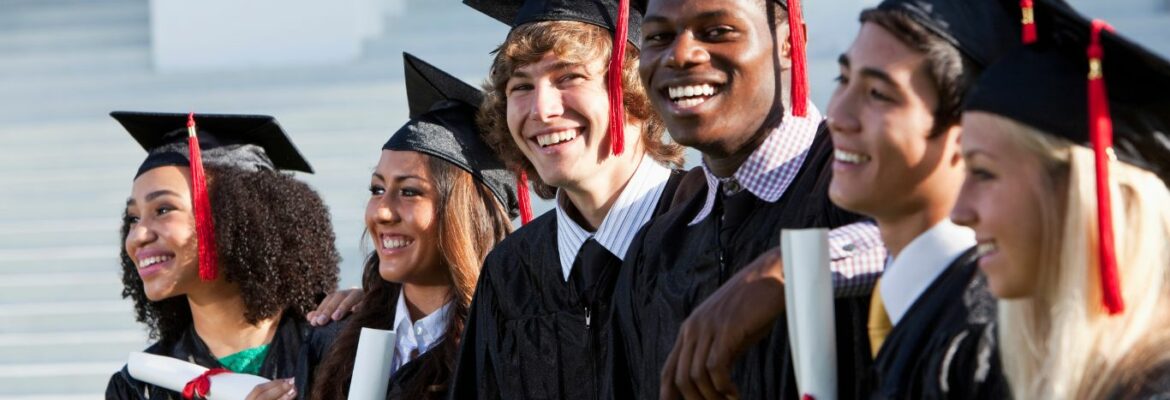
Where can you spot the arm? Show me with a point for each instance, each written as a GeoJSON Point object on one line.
{"type": "Point", "coordinates": [857, 258]}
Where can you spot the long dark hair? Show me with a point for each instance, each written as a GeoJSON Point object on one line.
{"type": "Point", "coordinates": [275, 241]}
{"type": "Point", "coordinates": [471, 222]}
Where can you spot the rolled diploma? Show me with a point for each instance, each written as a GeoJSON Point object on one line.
{"type": "Point", "coordinates": [173, 374]}
{"type": "Point", "coordinates": [808, 296]}
{"type": "Point", "coordinates": [371, 367]}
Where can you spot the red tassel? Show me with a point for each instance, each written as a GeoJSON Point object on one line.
{"type": "Point", "coordinates": [523, 198]}
{"type": "Point", "coordinates": [201, 385]}
{"type": "Point", "coordinates": [613, 80]}
{"type": "Point", "coordinates": [799, 63]}
{"type": "Point", "coordinates": [204, 226]}
{"type": "Point", "coordinates": [1101, 135]}
{"type": "Point", "coordinates": [1028, 21]}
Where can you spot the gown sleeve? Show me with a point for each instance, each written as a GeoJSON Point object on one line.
{"type": "Point", "coordinates": [474, 374]}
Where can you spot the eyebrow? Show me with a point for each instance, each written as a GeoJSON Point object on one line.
{"type": "Point", "coordinates": [556, 66]}
{"type": "Point", "coordinates": [977, 152]}
{"type": "Point", "coordinates": [869, 72]}
{"type": "Point", "coordinates": [843, 60]}
{"type": "Point", "coordinates": [152, 195]}
{"type": "Point", "coordinates": [399, 178]}
{"type": "Point", "coordinates": [713, 14]}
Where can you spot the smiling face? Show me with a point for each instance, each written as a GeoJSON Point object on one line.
{"type": "Point", "coordinates": [709, 68]}
{"type": "Point", "coordinates": [402, 220]}
{"type": "Point", "coordinates": [558, 116]}
{"type": "Point", "coordinates": [1009, 198]}
{"type": "Point", "coordinates": [887, 164]}
{"type": "Point", "coordinates": [161, 238]}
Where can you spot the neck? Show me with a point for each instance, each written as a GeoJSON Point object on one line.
{"type": "Point", "coordinates": [589, 203]}
{"type": "Point", "coordinates": [423, 300]}
{"type": "Point", "coordinates": [725, 164]}
{"type": "Point", "coordinates": [898, 232]}
{"type": "Point", "coordinates": [218, 317]}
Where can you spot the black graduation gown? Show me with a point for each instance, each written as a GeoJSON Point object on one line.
{"type": "Point", "coordinates": [295, 351]}
{"type": "Point", "coordinates": [531, 334]}
{"type": "Point", "coordinates": [672, 267]}
{"type": "Point", "coordinates": [945, 345]}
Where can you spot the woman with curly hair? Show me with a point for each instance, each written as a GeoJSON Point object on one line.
{"type": "Point", "coordinates": [243, 309]}
{"type": "Point", "coordinates": [437, 206]}
{"type": "Point", "coordinates": [1067, 195]}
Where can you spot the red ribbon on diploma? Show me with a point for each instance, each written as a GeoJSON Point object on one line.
{"type": "Point", "coordinates": [201, 384]}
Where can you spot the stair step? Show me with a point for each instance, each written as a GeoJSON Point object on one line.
{"type": "Point", "coordinates": [75, 346]}
{"type": "Point", "coordinates": [110, 314]}
{"type": "Point", "coordinates": [65, 378]}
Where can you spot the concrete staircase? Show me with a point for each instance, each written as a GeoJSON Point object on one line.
{"type": "Point", "coordinates": [66, 167]}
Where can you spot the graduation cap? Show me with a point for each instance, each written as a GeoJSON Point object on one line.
{"type": "Point", "coordinates": [442, 125]}
{"type": "Point", "coordinates": [244, 141]}
{"type": "Point", "coordinates": [1058, 86]}
{"type": "Point", "coordinates": [983, 30]}
{"type": "Point", "coordinates": [251, 142]}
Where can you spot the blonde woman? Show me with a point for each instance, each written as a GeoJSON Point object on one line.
{"type": "Point", "coordinates": [1081, 316]}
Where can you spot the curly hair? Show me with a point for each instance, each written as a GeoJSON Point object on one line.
{"type": "Point", "coordinates": [577, 42]}
{"type": "Point", "coordinates": [471, 222]}
{"type": "Point", "coordinates": [275, 241]}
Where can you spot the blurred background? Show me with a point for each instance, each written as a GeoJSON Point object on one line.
{"type": "Point", "coordinates": [331, 72]}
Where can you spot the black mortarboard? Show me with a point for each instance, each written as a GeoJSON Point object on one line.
{"type": "Point", "coordinates": [442, 125]}
{"type": "Point", "coordinates": [983, 30]}
{"type": "Point", "coordinates": [1080, 81]}
{"type": "Point", "coordinates": [1044, 85]}
{"type": "Point", "coordinates": [244, 141]}
{"type": "Point", "coordinates": [602, 13]}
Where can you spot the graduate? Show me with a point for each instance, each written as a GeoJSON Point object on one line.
{"type": "Point", "coordinates": [439, 201]}
{"type": "Point", "coordinates": [1066, 143]}
{"type": "Point", "coordinates": [894, 120]}
{"type": "Point", "coordinates": [577, 122]}
{"type": "Point", "coordinates": [729, 79]}
{"type": "Point", "coordinates": [222, 277]}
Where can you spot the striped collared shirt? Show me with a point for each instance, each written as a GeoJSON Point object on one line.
{"type": "Point", "coordinates": [632, 209]}
{"type": "Point", "coordinates": [856, 250]}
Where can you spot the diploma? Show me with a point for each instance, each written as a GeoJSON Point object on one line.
{"type": "Point", "coordinates": [371, 367]}
{"type": "Point", "coordinates": [808, 295]}
{"type": "Point", "coordinates": [173, 374]}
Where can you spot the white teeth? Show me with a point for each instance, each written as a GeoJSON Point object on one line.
{"type": "Point", "coordinates": [392, 244]}
{"type": "Point", "coordinates": [690, 102]}
{"type": "Point", "coordinates": [679, 92]}
{"type": "Point", "coordinates": [847, 157]}
{"type": "Point", "coordinates": [985, 248]}
{"type": "Point", "coordinates": [555, 138]}
{"type": "Point", "coordinates": [149, 261]}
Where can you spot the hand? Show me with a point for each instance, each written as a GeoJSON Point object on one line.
{"type": "Point", "coordinates": [280, 389]}
{"type": "Point", "coordinates": [336, 306]}
{"type": "Point", "coordinates": [737, 315]}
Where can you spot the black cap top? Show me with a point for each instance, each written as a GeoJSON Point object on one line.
{"type": "Point", "coordinates": [442, 125]}
{"type": "Point", "coordinates": [597, 12]}
{"type": "Point", "coordinates": [983, 30]}
{"type": "Point", "coordinates": [243, 141]}
{"type": "Point", "coordinates": [1044, 86]}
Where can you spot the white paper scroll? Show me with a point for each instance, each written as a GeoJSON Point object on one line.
{"type": "Point", "coordinates": [371, 367]}
{"type": "Point", "coordinates": [808, 292]}
{"type": "Point", "coordinates": [173, 374]}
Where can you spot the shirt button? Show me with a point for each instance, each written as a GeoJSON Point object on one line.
{"type": "Point", "coordinates": [849, 247]}
{"type": "Point", "coordinates": [418, 330]}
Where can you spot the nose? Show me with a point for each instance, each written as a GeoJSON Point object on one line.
{"type": "Point", "coordinates": [547, 103]}
{"type": "Point", "coordinates": [382, 211]}
{"type": "Point", "coordinates": [137, 236]}
{"type": "Point", "coordinates": [841, 116]}
{"type": "Point", "coordinates": [685, 51]}
{"type": "Point", "coordinates": [964, 212]}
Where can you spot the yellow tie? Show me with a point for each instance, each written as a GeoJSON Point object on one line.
{"type": "Point", "coordinates": [879, 321]}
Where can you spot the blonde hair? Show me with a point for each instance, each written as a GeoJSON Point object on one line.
{"type": "Point", "coordinates": [1061, 343]}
